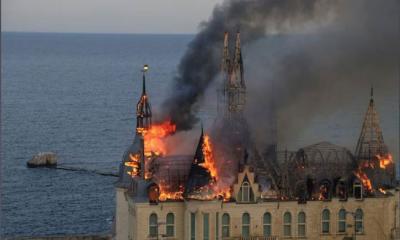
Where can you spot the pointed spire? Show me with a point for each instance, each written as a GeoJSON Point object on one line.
{"type": "Point", "coordinates": [225, 55]}
{"type": "Point", "coordinates": [239, 61]}
{"type": "Point", "coordinates": [370, 142]}
{"type": "Point", "coordinates": [199, 155]}
{"type": "Point", "coordinates": [143, 108]}
{"type": "Point", "coordinates": [145, 68]}
{"type": "Point", "coordinates": [371, 101]}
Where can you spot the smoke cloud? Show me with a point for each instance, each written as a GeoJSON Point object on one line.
{"type": "Point", "coordinates": [201, 63]}
{"type": "Point", "coordinates": [302, 58]}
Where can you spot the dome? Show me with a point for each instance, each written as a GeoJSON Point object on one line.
{"type": "Point", "coordinates": [325, 160]}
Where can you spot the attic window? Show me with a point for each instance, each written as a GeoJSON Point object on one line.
{"type": "Point", "coordinates": [245, 193]}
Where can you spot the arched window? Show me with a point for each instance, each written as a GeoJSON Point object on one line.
{"type": "Point", "coordinates": [245, 191]}
{"type": "Point", "coordinates": [170, 223]}
{"type": "Point", "coordinates": [267, 224]}
{"type": "Point", "coordinates": [301, 224]}
{"type": "Point", "coordinates": [342, 221]}
{"type": "Point", "coordinates": [153, 225]}
{"type": "Point", "coordinates": [359, 215]}
{"type": "Point", "coordinates": [325, 221]}
{"type": "Point", "coordinates": [287, 224]}
{"type": "Point", "coordinates": [245, 225]}
{"type": "Point", "coordinates": [225, 225]}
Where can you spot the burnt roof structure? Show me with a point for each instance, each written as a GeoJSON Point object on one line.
{"type": "Point", "coordinates": [199, 176]}
{"type": "Point", "coordinates": [370, 143]}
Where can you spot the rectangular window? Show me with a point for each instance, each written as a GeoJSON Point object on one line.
{"type": "Point", "coordinates": [216, 226]}
{"type": "Point", "coordinates": [192, 226]}
{"type": "Point", "coordinates": [267, 230]}
{"type": "Point", "coordinates": [325, 227]}
{"type": "Point", "coordinates": [206, 227]}
{"type": "Point", "coordinates": [287, 230]}
{"type": "Point", "coordinates": [342, 226]}
{"type": "Point", "coordinates": [301, 228]}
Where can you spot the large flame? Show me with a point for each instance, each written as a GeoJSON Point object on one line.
{"type": "Point", "coordinates": [209, 161]}
{"type": "Point", "coordinates": [384, 161]}
{"type": "Point", "coordinates": [153, 138]}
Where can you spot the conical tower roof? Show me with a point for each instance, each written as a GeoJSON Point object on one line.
{"type": "Point", "coordinates": [199, 176]}
{"type": "Point", "coordinates": [370, 142]}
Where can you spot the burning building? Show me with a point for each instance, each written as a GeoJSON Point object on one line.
{"type": "Point", "coordinates": [227, 190]}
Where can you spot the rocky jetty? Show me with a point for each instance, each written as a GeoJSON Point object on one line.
{"type": "Point", "coordinates": [43, 159]}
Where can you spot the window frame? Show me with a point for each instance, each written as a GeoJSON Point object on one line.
{"type": "Point", "coordinates": [359, 220]}
{"type": "Point", "coordinates": [267, 224]}
{"type": "Point", "coordinates": [342, 221]}
{"type": "Point", "coordinates": [287, 224]}
{"type": "Point", "coordinates": [192, 226]}
{"type": "Point", "coordinates": [245, 191]}
{"type": "Point", "coordinates": [301, 224]}
{"type": "Point", "coordinates": [226, 226]}
{"type": "Point", "coordinates": [170, 225]}
{"type": "Point", "coordinates": [246, 225]}
{"type": "Point", "coordinates": [153, 225]}
{"type": "Point", "coordinates": [326, 221]}
{"type": "Point", "coordinates": [206, 234]}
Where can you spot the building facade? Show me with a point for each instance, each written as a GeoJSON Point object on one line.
{"type": "Point", "coordinates": [253, 218]}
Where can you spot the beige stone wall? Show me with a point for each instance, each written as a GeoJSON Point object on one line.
{"type": "Point", "coordinates": [380, 217]}
{"type": "Point", "coordinates": [121, 214]}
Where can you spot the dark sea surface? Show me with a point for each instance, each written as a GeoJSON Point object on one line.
{"type": "Point", "coordinates": [75, 95]}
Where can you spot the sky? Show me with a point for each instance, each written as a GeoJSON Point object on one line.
{"type": "Point", "coordinates": [105, 16]}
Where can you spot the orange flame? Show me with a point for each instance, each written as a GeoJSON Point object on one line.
{"type": "Point", "coordinates": [382, 191]}
{"type": "Point", "coordinates": [134, 163]}
{"type": "Point", "coordinates": [209, 161]}
{"type": "Point", "coordinates": [366, 182]}
{"type": "Point", "coordinates": [384, 161]}
{"type": "Point", "coordinates": [153, 138]}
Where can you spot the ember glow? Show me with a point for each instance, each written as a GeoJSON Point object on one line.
{"type": "Point", "coordinates": [384, 161]}
{"type": "Point", "coordinates": [153, 138]}
{"type": "Point", "coordinates": [166, 194]}
{"type": "Point", "coordinates": [366, 182]}
{"type": "Point", "coordinates": [134, 164]}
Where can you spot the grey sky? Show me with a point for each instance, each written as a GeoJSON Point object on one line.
{"type": "Point", "coordinates": [122, 16]}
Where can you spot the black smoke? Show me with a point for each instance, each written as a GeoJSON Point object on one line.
{"type": "Point", "coordinates": [201, 63]}
{"type": "Point", "coordinates": [302, 59]}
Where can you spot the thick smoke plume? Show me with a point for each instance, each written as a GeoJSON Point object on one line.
{"type": "Point", "coordinates": [201, 63]}
{"type": "Point", "coordinates": [302, 59]}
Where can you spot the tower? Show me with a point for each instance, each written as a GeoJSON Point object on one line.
{"type": "Point", "coordinates": [370, 143]}
{"type": "Point", "coordinates": [199, 176]}
{"type": "Point", "coordinates": [143, 109]}
{"type": "Point", "coordinates": [234, 89]}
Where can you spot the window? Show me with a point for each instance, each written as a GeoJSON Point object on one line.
{"type": "Point", "coordinates": [359, 215]}
{"type": "Point", "coordinates": [325, 220]}
{"type": "Point", "coordinates": [170, 225]}
{"type": "Point", "coordinates": [192, 226]}
{"type": "Point", "coordinates": [245, 192]}
{"type": "Point", "coordinates": [301, 224]}
{"type": "Point", "coordinates": [267, 224]}
{"type": "Point", "coordinates": [225, 225]}
{"type": "Point", "coordinates": [206, 227]}
{"type": "Point", "coordinates": [358, 190]}
{"type": "Point", "coordinates": [287, 224]}
{"type": "Point", "coordinates": [153, 225]}
{"type": "Point", "coordinates": [245, 225]}
{"type": "Point", "coordinates": [216, 226]}
{"type": "Point", "coordinates": [342, 221]}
